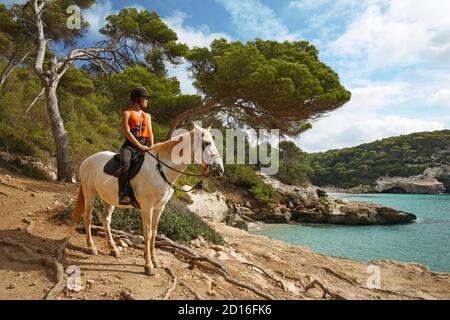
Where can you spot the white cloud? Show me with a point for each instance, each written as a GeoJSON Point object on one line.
{"type": "Point", "coordinates": [181, 73]}
{"type": "Point", "coordinates": [96, 17]}
{"type": "Point", "coordinates": [440, 98]}
{"type": "Point", "coordinates": [256, 20]}
{"type": "Point", "coordinates": [365, 119]}
{"type": "Point", "coordinates": [404, 33]}
{"type": "Point", "coordinates": [192, 36]}
{"type": "Point", "coordinates": [336, 132]}
{"type": "Point", "coordinates": [378, 96]}
{"type": "Point", "coordinates": [306, 4]}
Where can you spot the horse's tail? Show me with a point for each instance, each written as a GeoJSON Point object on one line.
{"type": "Point", "coordinates": [79, 208]}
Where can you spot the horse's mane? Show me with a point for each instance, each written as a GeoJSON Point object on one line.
{"type": "Point", "coordinates": [168, 145]}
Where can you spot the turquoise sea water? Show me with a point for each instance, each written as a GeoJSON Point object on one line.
{"type": "Point", "coordinates": [426, 241]}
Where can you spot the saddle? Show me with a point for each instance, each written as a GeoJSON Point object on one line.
{"type": "Point", "coordinates": [112, 168]}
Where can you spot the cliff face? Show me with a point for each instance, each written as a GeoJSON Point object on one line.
{"type": "Point", "coordinates": [434, 180]}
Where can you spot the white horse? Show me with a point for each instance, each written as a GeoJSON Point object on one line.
{"type": "Point", "coordinates": [150, 189]}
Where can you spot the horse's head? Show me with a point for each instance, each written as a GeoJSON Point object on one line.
{"type": "Point", "coordinates": [211, 160]}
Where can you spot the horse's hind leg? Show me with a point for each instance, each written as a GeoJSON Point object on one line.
{"type": "Point", "coordinates": [89, 198]}
{"type": "Point", "coordinates": [107, 214]}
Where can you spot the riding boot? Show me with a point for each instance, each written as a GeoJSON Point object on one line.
{"type": "Point", "coordinates": [124, 197]}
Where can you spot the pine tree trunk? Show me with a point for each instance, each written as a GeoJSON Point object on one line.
{"type": "Point", "coordinates": [60, 136]}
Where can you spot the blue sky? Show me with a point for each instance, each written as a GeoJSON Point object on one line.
{"type": "Point", "coordinates": [393, 55]}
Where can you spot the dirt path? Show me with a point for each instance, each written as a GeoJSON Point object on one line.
{"type": "Point", "coordinates": [283, 270]}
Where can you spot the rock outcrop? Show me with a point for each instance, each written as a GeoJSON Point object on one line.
{"type": "Point", "coordinates": [29, 163]}
{"type": "Point", "coordinates": [310, 204]}
{"type": "Point", "coordinates": [434, 180]}
{"type": "Point", "coordinates": [412, 184]}
{"type": "Point", "coordinates": [352, 213]}
{"type": "Point", "coordinates": [208, 205]}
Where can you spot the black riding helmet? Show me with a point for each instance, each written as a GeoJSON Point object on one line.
{"type": "Point", "coordinates": [136, 93]}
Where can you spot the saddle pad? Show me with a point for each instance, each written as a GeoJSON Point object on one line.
{"type": "Point", "coordinates": [112, 166]}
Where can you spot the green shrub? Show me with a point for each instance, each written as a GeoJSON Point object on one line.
{"type": "Point", "coordinates": [242, 175]}
{"type": "Point", "coordinates": [10, 141]}
{"type": "Point", "coordinates": [263, 192]}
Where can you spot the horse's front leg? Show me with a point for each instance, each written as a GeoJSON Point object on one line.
{"type": "Point", "coordinates": [146, 216]}
{"type": "Point", "coordinates": [107, 215]}
{"type": "Point", "coordinates": [155, 220]}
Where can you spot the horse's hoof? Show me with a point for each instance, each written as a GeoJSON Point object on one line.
{"type": "Point", "coordinates": [93, 251]}
{"type": "Point", "coordinates": [149, 271]}
{"type": "Point", "coordinates": [155, 263]}
{"type": "Point", "coordinates": [115, 253]}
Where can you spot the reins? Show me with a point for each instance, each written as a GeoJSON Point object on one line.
{"type": "Point", "coordinates": [163, 175]}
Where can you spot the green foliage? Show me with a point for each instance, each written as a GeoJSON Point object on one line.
{"type": "Point", "coordinates": [179, 224]}
{"type": "Point", "coordinates": [284, 79]}
{"type": "Point", "coordinates": [77, 82]}
{"type": "Point", "coordinates": [11, 141]}
{"type": "Point", "coordinates": [145, 27]}
{"type": "Point", "coordinates": [291, 169]}
{"type": "Point", "coordinates": [245, 176]}
{"type": "Point", "coordinates": [263, 192]}
{"type": "Point", "coordinates": [241, 175]}
{"type": "Point", "coordinates": [403, 156]}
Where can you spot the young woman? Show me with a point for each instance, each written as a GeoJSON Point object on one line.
{"type": "Point", "coordinates": [137, 128]}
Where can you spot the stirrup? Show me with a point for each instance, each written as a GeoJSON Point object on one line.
{"type": "Point", "coordinates": [124, 199]}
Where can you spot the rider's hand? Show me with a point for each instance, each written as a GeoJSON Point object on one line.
{"type": "Point", "coordinates": [144, 148]}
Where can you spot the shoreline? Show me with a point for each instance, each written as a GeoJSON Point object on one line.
{"type": "Point", "coordinates": [255, 227]}
{"type": "Point", "coordinates": [410, 279]}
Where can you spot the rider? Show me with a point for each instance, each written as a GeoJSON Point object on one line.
{"type": "Point", "coordinates": [137, 127]}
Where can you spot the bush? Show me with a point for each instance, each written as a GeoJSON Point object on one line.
{"type": "Point", "coordinates": [245, 176]}
{"type": "Point", "coordinates": [10, 141]}
{"type": "Point", "coordinates": [263, 192]}
{"type": "Point", "coordinates": [242, 175]}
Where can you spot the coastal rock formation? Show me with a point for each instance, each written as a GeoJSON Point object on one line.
{"type": "Point", "coordinates": [434, 180]}
{"type": "Point", "coordinates": [208, 205]}
{"type": "Point", "coordinates": [274, 214]}
{"type": "Point", "coordinates": [412, 184]}
{"type": "Point", "coordinates": [238, 216]}
{"type": "Point", "coordinates": [353, 213]}
{"type": "Point", "coordinates": [310, 204]}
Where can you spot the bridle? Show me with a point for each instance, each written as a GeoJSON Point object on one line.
{"type": "Point", "coordinates": [160, 163]}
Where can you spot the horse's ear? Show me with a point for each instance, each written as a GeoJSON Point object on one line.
{"type": "Point", "coordinates": [195, 126]}
{"type": "Point", "coordinates": [207, 129]}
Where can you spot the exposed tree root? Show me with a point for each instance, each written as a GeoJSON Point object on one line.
{"type": "Point", "coordinates": [196, 294]}
{"type": "Point", "coordinates": [193, 257]}
{"type": "Point", "coordinates": [269, 275]}
{"type": "Point", "coordinates": [174, 285]}
{"type": "Point", "coordinates": [326, 292]}
{"type": "Point", "coordinates": [16, 187]}
{"type": "Point", "coordinates": [33, 257]}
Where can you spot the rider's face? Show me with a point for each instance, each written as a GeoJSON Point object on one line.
{"type": "Point", "coordinates": [144, 102]}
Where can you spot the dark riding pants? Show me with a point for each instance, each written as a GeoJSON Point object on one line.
{"type": "Point", "coordinates": [127, 152]}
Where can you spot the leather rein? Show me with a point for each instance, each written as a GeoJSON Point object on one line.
{"type": "Point", "coordinates": [163, 175]}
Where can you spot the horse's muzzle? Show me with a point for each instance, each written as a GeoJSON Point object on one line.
{"type": "Point", "coordinates": [217, 169]}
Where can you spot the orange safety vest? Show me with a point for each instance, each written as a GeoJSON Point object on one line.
{"type": "Point", "coordinates": [135, 121]}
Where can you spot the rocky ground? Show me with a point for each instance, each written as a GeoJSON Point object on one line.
{"type": "Point", "coordinates": [283, 271]}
